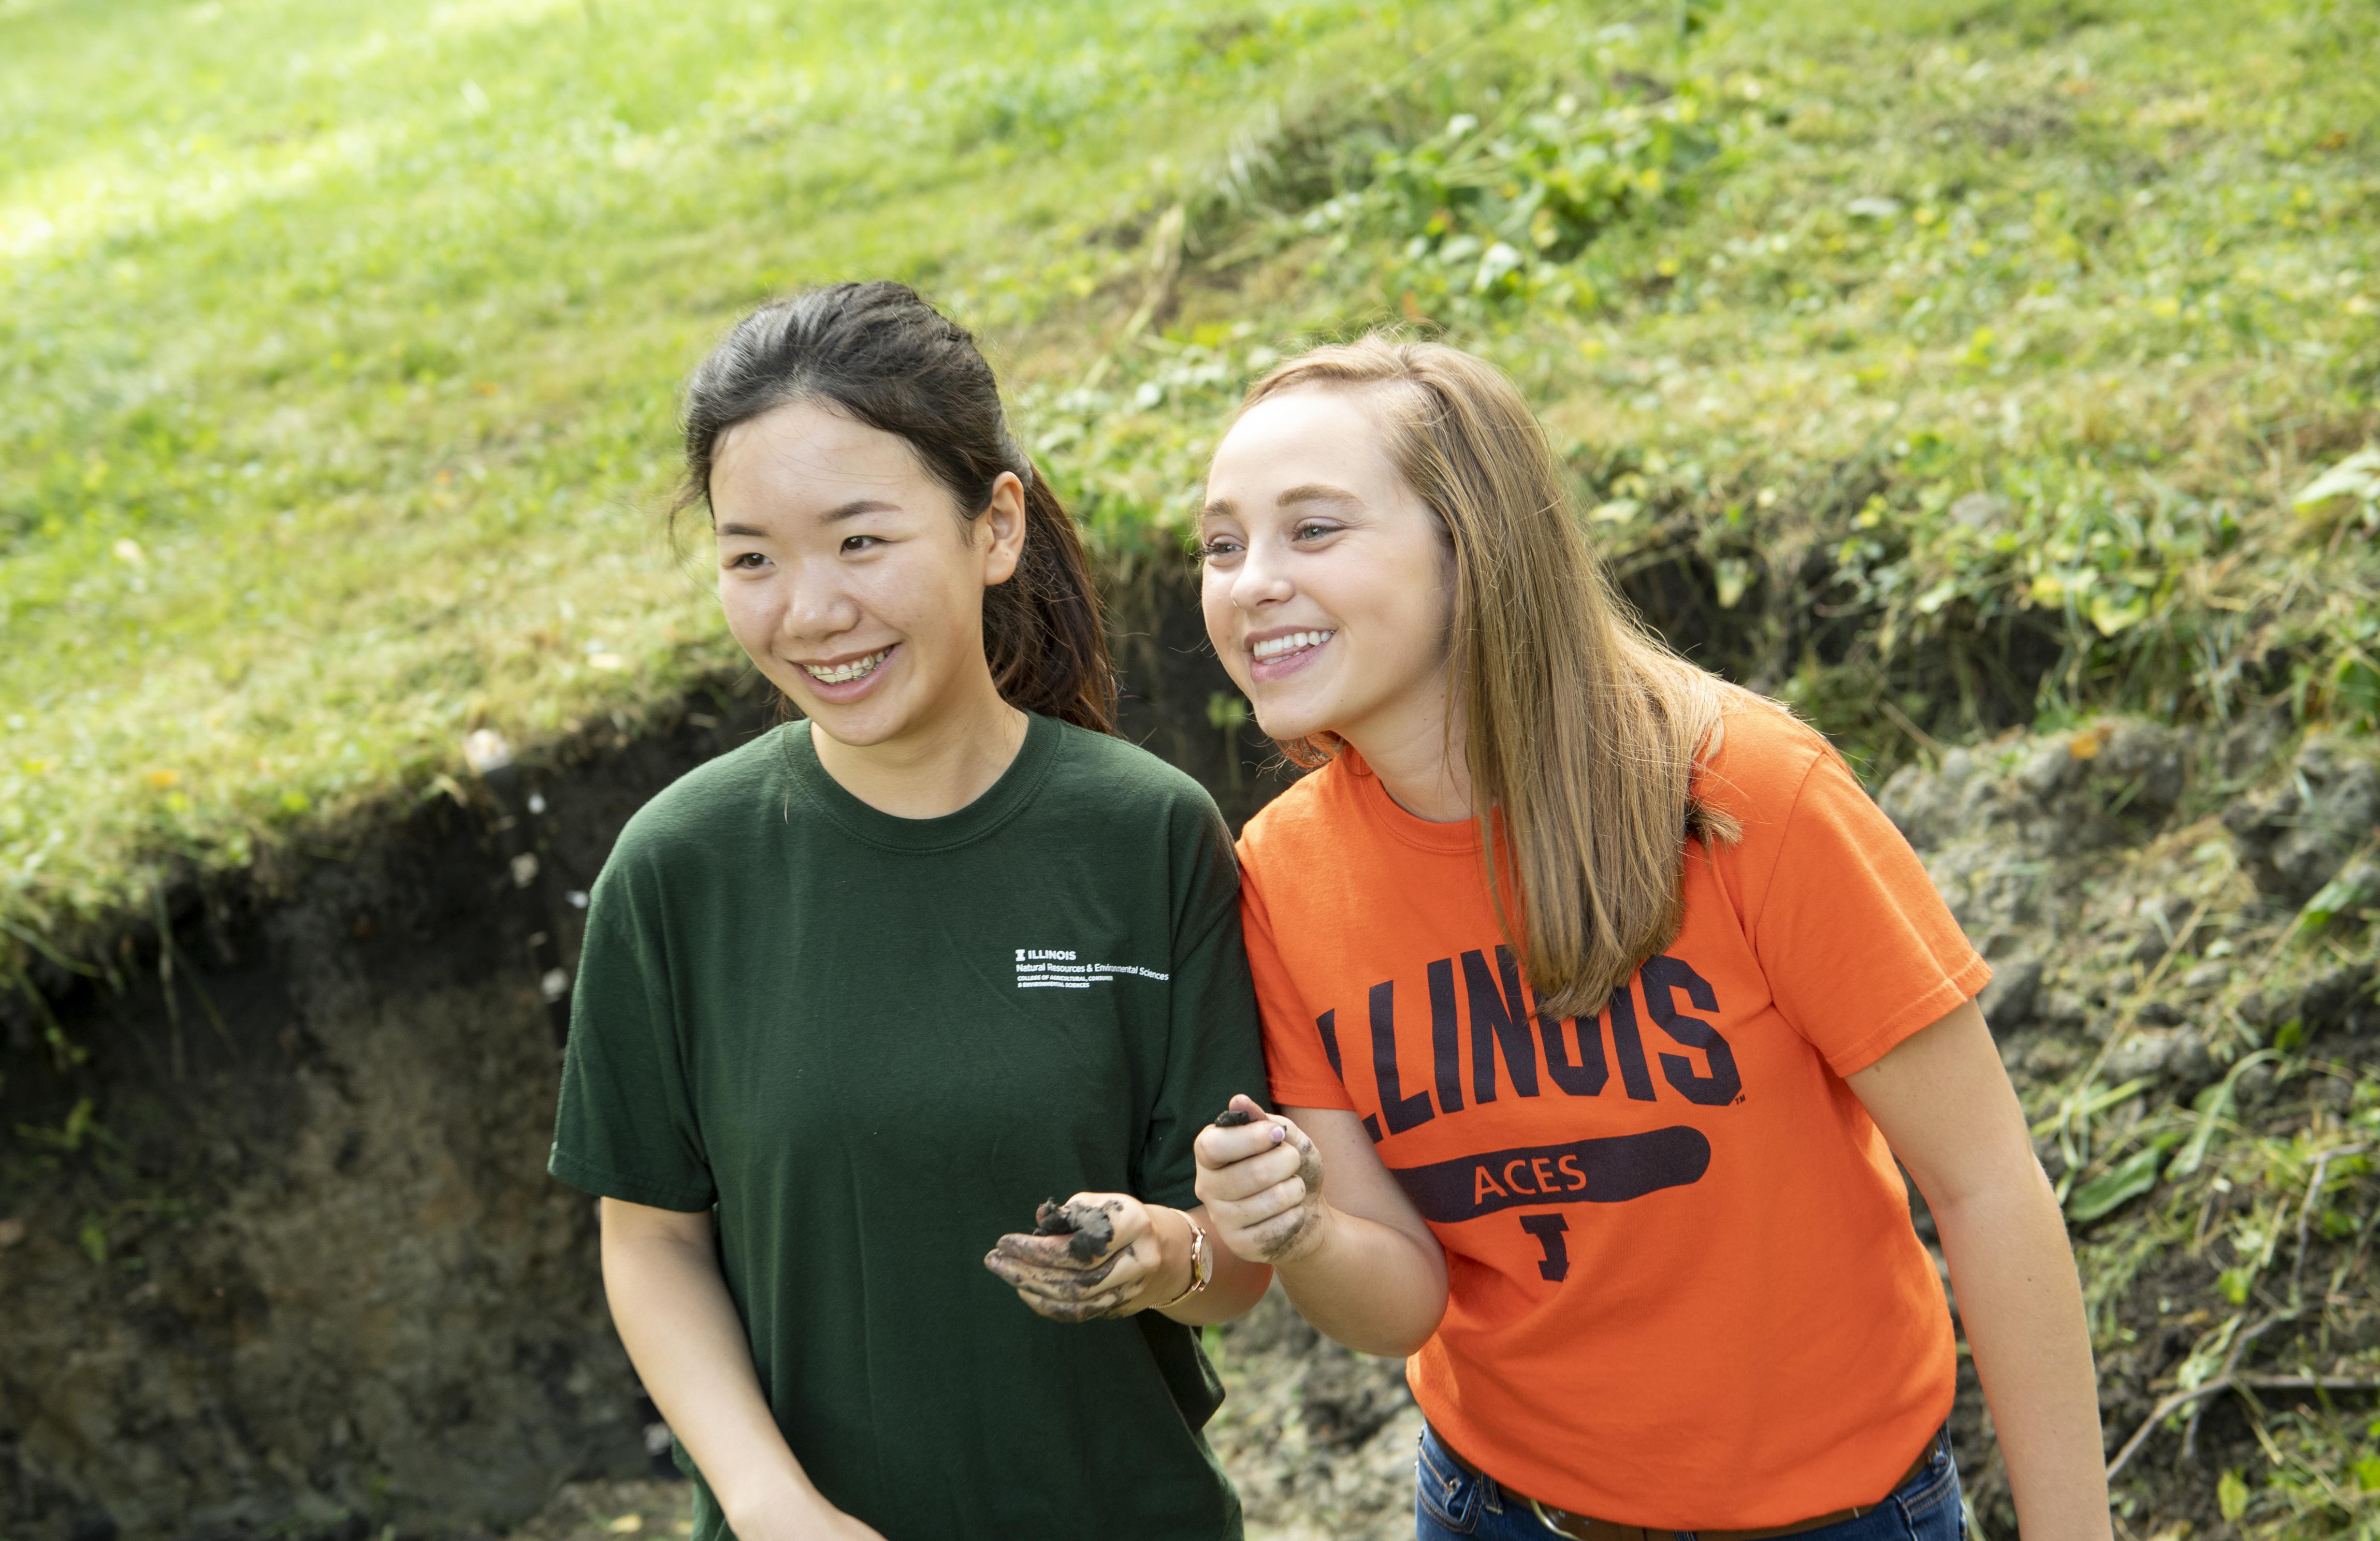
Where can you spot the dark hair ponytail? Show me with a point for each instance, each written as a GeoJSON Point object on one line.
{"type": "Point", "coordinates": [881, 353]}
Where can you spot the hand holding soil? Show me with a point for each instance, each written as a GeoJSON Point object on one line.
{"type": "Point", "coordinates": [1096, 1255]}
{"type": "Point", "coordinates": [1262, 1180]}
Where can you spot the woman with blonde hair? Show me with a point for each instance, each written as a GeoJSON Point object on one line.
{"type": "Point", "coordinates": [1599, 1001]}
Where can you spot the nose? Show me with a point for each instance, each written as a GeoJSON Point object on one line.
{"type": "Point", "coordinates": [818, 606]}
{"type": "Point", "coordinates": [1262, 578]}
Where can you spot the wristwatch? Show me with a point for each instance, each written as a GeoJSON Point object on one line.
{"type": "Point", "coordinates": [1202, 1265]}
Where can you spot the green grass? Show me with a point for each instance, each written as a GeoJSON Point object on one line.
{"type": "Point", "coordinates": [1994, 331]}
{"type": "Point", "coordinates": [339, 359]}
{"type": "Point", "coordinates": [336, 360]}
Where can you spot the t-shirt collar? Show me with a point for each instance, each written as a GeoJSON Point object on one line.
{"type": "Point", "coordinates": [1457, 837]}
{"type": "Point", "coordinates": [1001, 801]}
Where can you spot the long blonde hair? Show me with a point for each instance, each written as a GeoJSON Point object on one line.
{"type": "Point", "coordinates": [1580, 727]}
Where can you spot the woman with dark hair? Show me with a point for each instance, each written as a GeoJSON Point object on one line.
{"type": "Point", "coordinates": [855, 996]}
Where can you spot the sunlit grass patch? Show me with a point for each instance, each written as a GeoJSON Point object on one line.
{"type": "Point", "coordinates": [339, 359]}
{"type": "Point", "coordinates": [1962, 359]}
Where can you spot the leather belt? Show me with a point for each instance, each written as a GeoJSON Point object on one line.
{"type": "Point", "coordinates": [1561, 1521]}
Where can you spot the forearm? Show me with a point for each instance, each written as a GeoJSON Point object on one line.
{"type": "Point", "coordinates": [1368, 1285]}
{"type": "Point", "coordinates": [2022, 1306]}
{"type": "Point", "coordinates": [681, 1332]}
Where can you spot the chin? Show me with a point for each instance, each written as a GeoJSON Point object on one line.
{"type": "Point", "coordinates": [860, 726]}
{"type": "Point", "coordinates": [1287, 721]}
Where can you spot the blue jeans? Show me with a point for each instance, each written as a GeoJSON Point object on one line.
{"type": "Point", "coordinates": [1449, 1502]}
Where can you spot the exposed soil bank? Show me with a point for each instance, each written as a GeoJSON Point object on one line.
{"type": "Point", "coordinates": [296, 1267]}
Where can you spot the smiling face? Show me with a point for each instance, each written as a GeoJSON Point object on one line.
{"type": "Point", "coordinates": [848, 575]}
{"type": "Point", "coordinates": [1327, 583]}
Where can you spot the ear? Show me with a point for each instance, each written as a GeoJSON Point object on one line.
{"type": "Point", "coordinates": [1004, 523]}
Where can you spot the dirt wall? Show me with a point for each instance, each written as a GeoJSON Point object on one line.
{"type": "Point", "coordinates": [294, 1265]}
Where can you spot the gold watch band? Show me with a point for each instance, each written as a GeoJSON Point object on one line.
{"type": "Point", "coordinates": [1202, 1265]}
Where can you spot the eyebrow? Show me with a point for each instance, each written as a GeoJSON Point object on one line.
{"type": "Point", "coordinates": [848, 511]}
{"type": "Point", "coordinates": [1310, 492]}
{"type": "Point", "coordinates": [1316, 492]}
{"type": "Point", "coordinates": [858, 506]}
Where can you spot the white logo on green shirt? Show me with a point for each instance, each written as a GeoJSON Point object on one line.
{"type": "Point", "coordinates": [1057, 968]}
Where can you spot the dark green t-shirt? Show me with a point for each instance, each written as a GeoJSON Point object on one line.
{"type": "Point", "coordinates": [874, 1043]}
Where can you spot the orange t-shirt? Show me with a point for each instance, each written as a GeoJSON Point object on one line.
{"type": "Point", "coordinates": [1685, 1290]}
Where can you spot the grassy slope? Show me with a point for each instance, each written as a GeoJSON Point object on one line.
{"type": "Point", "coordinates": [2115, 275]}
{"type": "Point", "coordinates": [2128, 296]}
{"type": "Point", "coordinates": [338, 365]}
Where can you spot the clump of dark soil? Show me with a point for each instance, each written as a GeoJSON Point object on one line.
{"type": "Point", "coordinates": [1089, 1227]}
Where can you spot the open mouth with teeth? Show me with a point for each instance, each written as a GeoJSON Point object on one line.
{"type": "Point", "coordinates": [849, 671]}
{"type": "Point", "coordinates": [1276, 658]}
{"type": "Point", "coordinates": [1275, 647]}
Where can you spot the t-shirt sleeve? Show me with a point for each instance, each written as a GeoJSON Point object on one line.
{"type": "Point", "coordinates": [1212, 1050]}
{"type": "Point", "coordinates": [1860, 951]}
{"type": "Point", "coordinates": [625, 1128]}
{"type": "Point", "coordinates": [1302, 1062]}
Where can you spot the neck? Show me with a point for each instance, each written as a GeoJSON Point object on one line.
{"type": "Point", "coordinates": [949, 760]}
{"type": "Point", "coordinates": [1417, 752]}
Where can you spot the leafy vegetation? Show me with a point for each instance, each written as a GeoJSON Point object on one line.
{"type": "Point", "coordinates": [2030, 350]}
{"type": "Point", "coordinates": [2288, 1322]}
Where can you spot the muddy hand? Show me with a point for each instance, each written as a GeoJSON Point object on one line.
{"type": "Point", "coordinates": [1262, 1180]}
{"type": "Point", "coordinates": [1089, 1229]}
{"type": "Point", "coordinates": [1087, 1258]}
